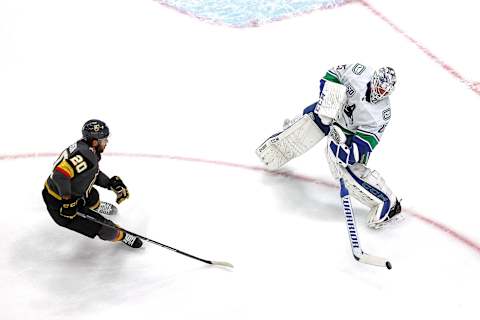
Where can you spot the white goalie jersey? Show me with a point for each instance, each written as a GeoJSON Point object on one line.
{"type": "Point", "coordinates": [360, 117]}
{"type": "Point", "coordinates": [347, 98]}
{"type": "Point", "coordinates": [353, 105]}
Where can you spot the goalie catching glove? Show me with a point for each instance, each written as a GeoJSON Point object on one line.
{"type": "Point", "coordinates": [117, 186]}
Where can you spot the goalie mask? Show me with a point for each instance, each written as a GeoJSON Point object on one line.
{"type": "Point", "coordinates": [382, 84]}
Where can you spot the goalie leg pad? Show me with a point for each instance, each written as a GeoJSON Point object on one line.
{"type": "Point", "coordinates": [367, 186]}
{"type": "Point", "coordinates": [294, 141]}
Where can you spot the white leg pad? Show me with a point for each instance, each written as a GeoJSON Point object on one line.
{"type": "Point", "coordinates": [365, 185]}
{"type": "Point", "coordinates": [294, 141]}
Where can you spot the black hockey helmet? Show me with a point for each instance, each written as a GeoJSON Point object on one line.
{"type": "Point", "coordinates": [95, 129]}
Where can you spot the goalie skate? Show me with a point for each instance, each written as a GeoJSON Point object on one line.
{"type": "Point", "coordinates": [394, 216]}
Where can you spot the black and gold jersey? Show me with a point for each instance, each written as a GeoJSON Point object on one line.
{"type": "Point", "coordinates": [76, 171]}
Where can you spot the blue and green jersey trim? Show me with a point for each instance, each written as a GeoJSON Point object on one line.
{"type": "Point", "coordinates": [331, 76]}
{"type": "Point", "coordinates": [365, 142]}
{"type": "Point", "coordinates": [368, 137]}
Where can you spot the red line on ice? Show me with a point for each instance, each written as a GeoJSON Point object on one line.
{"type": "Point", "coordinates": [463, 239]}
{"type": "Point", "coordinates": [475, 87]}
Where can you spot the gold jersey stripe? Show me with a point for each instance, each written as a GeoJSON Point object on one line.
{"type": "Point", "coordinates": [52, 193]}
{"type": "Point", "coordinates": [66, 167]}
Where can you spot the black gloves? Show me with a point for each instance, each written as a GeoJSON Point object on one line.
{"type": "Point", "coordinates": [70, 206]}
{"type": "Point", "coordinates": [117, 186]}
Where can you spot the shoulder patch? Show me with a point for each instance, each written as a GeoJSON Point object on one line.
{"type": "Point", "coordinates": [358, 68]}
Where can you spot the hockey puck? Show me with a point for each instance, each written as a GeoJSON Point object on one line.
{"type": "Point", "coordinates": [388, 265]}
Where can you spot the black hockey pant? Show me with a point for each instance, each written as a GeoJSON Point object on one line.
{"type": "Point", "coordinates": [78, 224]}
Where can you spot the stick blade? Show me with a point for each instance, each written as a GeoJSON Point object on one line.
{"type": "Point", "coordinates": [222, 264]}
{"type": "Point", "coordinates": [374, 261]}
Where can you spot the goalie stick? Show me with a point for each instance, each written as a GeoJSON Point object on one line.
{"type": "Point", "coordinates": [216, 263]}
{"type": "Point", "coordinates": [358, 254]}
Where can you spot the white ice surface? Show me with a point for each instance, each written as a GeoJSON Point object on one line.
{"type": "Point", "coordinates": [169, 84]}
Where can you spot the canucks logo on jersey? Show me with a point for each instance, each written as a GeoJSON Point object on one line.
{"type": "Point", "coordinates": [348, 110]}
{"type": "Point", "coordinates": [387, 113]}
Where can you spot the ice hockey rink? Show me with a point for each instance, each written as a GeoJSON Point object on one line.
{"type": "Point", "coordinates": [189, 89]}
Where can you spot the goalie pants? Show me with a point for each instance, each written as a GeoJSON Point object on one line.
{"type": "Point", "coordinates": [78, 224]}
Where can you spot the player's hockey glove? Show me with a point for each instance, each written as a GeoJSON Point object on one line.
{"type": "Point", "coordinates": [117, 186]}
{"type": "Point", "coordinates": [70, 207]}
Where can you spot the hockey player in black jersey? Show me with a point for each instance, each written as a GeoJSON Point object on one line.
{"type": "Point", "coordinates": [69, 189]}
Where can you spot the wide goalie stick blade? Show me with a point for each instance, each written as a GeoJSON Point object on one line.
{"type": "Point", "coordinates": [374, 261]}
{"type": "Point", "coordinates": [358, 254]}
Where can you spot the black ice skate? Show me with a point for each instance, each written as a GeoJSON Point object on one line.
{"type": "Point", "coordinates": [132, 241]}
{"type": "Point", "coordinates": [394, 215]}
{"type": "Point", "coordinates": [395, 210]}
{"type": "Point", "coordinates": [106, 209]}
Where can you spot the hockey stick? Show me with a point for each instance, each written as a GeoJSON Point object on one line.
{"type": "Point", "coordinates": [358, 254]}
{"type": "Point", "coordinates": [216, 263]}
